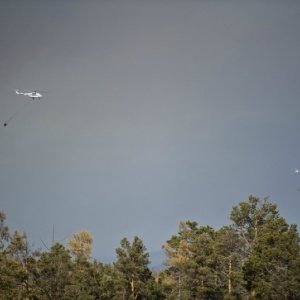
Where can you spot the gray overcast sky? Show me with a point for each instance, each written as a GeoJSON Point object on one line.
{"type": "Point", "coordinates": [158, 111]}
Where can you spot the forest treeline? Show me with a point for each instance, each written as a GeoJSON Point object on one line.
{"type": "Point", "coordinates": [256, 257]}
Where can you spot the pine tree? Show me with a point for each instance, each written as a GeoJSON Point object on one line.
{"type": "Point", "coordinates": [193, 262]}
{"type": "Point", "coordinates": [52, 273]}
{"type": "Point", "coordinates": [229, 247]}
{"type": "Point", "coordinates": [135, 278]}
{"type": "Point", "coordinates": [249, 218]}
{"type": "Point", "coordinates": [273, 267]}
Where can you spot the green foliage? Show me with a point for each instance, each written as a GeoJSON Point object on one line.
{"type": "Point", "coordinates": [249, 218]}
{"type": "Point", "coordinates": [106, 277]}
{"type": "Point", "coordinates": [51, 273]}
{"type": "Point", "coordinates": [257, 257]}
{"type": "Point", "coordinates": [229, 253]}
{"type": "Point", "coordinates": [14, 258]}
{"type": "Point", "coordinates": [192, 258]}
{"type": "Point", "coordinates": [82, 283]}
{"type": "Point", "coordinates": [135, 277]}
{"type": "Point", "coordinates": [272, 267]}
{"type": "Point", "coordinates": [4, 232]}
{"type": "Point", "coordinates": [9, 277]}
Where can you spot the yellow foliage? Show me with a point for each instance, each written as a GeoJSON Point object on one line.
{"type": "Point", "coordinates": [81, 244]}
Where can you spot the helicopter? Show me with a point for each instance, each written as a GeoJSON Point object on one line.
{"type": "Point", "coordinates": [33, 95]}
{"type": "Point", "coordinates": [298, 172]}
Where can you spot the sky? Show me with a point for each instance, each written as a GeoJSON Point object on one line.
{"type": "Point", "coordinates": [156, 112]}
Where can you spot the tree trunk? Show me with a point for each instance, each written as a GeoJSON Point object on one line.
{"type": "Point", "coordinates": [132, 288]}
{"type": "Point", "coordinates": [229, 275]}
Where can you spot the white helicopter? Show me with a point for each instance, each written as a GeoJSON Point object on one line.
{"type": "Point", "coordinates": [32, 95]}
{"type": "Point", "coordinates": [298, 172]}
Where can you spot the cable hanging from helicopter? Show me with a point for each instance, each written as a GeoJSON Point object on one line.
{"type": "Point", "coordinates": [298, 172]}
{"type": "Point", "coordinates": [31, 94]}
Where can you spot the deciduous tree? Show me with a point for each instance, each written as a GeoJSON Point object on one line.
{"type": "Point", "coordinates": [81, 244]}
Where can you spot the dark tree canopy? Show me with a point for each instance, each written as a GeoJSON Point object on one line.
{"type": "Point", "coordinates": [256, 257]}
